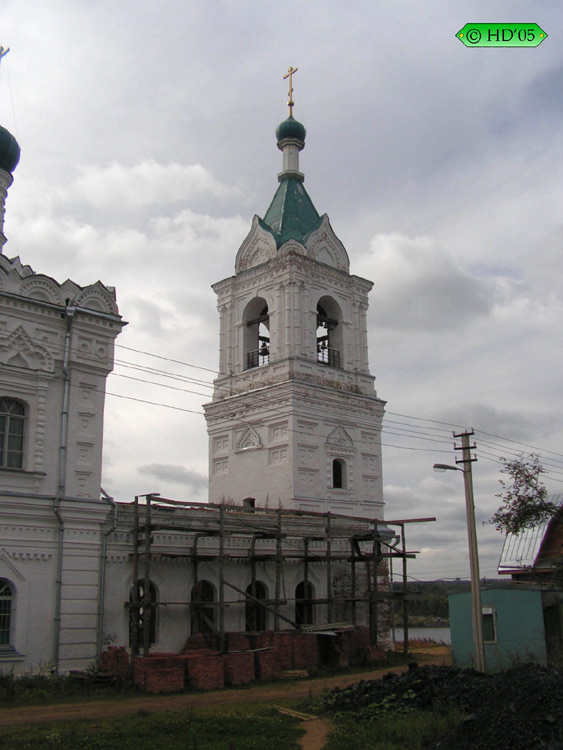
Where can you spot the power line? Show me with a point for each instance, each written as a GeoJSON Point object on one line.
{"type": "Point", "coordinates": [410, 427]}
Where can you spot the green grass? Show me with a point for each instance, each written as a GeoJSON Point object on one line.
{"type": "Point", "coordinates": [408, 731]}
{"type": "Point", "coordinates": [172, 731]}
{"type": "Point", "coordinates": [41, 689]}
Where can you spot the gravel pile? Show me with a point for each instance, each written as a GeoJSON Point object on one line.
{"type": "Point", "coordinates": [521, 709]}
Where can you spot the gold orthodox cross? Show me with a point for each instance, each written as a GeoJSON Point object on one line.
{"type": "Point", "coordinates": [289, 74]}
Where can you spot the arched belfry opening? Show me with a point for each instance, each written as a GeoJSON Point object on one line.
{"type": "Point", "coordinates": [256, 321]}
{"type": "Point", "coordinates": [329, 332]}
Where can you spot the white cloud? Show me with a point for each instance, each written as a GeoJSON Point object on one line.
{"type": "Point", "coordinates": [145, 184]}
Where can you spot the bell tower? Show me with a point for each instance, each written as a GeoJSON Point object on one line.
{"type": "Point", "coordinates": [295, 420]}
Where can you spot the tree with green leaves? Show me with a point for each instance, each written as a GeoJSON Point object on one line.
{"type": "Point", "coordinates": [525, 502]}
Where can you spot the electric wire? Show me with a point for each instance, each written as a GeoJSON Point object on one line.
{"type": "Point", "coordinates": [410, 427]}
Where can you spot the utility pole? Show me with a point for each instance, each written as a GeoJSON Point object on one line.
{"type": "Point", "coordinates": [477, 620]}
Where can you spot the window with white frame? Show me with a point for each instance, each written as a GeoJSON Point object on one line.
{"type": "Point", "coordinates": [489, 624]}
{"type": "Point", "coordinates": [12, 423]}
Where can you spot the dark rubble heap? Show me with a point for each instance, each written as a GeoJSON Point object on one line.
{"type": "Point", "coordinates": [521, 709]}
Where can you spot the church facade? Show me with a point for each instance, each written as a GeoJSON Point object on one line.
{"type": "Point", "coordinates": [293, 535]}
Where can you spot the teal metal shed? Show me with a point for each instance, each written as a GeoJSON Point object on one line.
{"type": "Point", "coordinates": [513, 627]}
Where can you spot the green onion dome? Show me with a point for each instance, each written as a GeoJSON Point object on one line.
{"type": "Point", "coordinates": [290, 128]}
{"type": "Point", "coordinates": [9, 151]}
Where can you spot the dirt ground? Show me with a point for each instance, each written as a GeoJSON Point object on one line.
{"type": "Point", "coordinates": [316, 729]}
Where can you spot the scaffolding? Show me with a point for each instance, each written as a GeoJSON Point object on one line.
{"type": "Point", "coordinates": [238, 533]}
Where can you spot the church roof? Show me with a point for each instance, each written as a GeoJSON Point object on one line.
{"type": "Point", "coordinates": [9, 151]}
{"type": "Point", "coordinates": [290, 128]}
{"type": "Point", "coordinates": [291, 215]}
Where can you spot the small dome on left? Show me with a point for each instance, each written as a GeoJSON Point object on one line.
{"type": "Point", "coordinates": [9, 151]}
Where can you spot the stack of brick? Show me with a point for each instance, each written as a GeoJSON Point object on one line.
{"type": "Point", "coordinates": [342, 649]}
{"type": "Point", "coordinates": [115, 661]}
{"type": "Point", "coordinates": [375, 654]}
{"type": "Point", "coordinates": [239, 642]}
{"type": "Point", "coordinates": [282, 643]}
{"type": "Point", "coordinates": [359, 643]}
{"type": "Point", "coordinates": [204, 669]}
{"type": "Point", "coordinates": [267, 664]}
{"type": "Point", "coordinates": [159, 673]}
{"type": "Point", "coordinates": [196, 642]}
{"type": "Point", "coordinates": [305, 651]}
{"type": "Point", "coordinates": [239, 668]}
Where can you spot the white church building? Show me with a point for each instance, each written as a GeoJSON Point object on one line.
{"type": "Point", "coordinates": [292, 536]}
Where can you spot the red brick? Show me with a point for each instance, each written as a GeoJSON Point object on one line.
{"type": "Point", "coordinates": [359, 642]}
{"type": "Point", "coordinates": [267, 664]}
{"type": "Point", "coordinates": [375, 654]}
{"type": "Point", "coordinates": [239, 668]}
{"type": "Point", "coordinates": [115, 661]}
{"type": "Point", "coordinates": [195, 642]}
{"type": "Point", "coordinates": [205, 672]}
{"type": "Point", "coordinates": [238, 642]}
{"type": "Point", "coordinates": [158, 675]}
{"type": "Point", "coordinates": [305, 651]}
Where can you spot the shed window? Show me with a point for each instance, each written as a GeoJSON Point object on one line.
{"type": "Point", "coordinates": [489, 625]}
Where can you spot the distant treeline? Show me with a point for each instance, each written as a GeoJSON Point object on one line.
{"type": "Point", "coordinates": [432, 601]}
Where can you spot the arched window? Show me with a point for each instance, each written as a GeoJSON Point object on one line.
{"type": "Point", "coordinates": [304, 597]}
{"type": "Point", "coordinates": [256, 616]}
{"type": "Point", "coordinates": [256, 323]}
{"type": "Point", "coordinates": [339, 478]}
{"type": "Point", "coordinates": [329, 332]}
{"type": "Point", "coordinates": [203, 617]}
{"type": "Point", "coordinates": [137, 612]}
{"type": "Point", "coordinates": [6, 600]}
{"type": "Point", "coordinates": [12, 420]}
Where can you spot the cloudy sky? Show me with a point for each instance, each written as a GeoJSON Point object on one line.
{"type": "Point", "coordinates": [147, 136]}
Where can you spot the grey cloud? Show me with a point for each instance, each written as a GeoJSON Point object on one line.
{"type": "Point", "coordinates": [174, 474]}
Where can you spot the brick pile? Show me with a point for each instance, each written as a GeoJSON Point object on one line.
{"type": "Point", "coordinates": [204, 671]}
{"type": "Point", "coordinates": [239, 641]}
{"type": "Point", "coordinates": [305, 651]}
{"type": "Point", "coordinates": [159, 673]}
{"type": "Point", "coordinates": [359, 643]}
{"type": "Point", "coordinates": [267, 665]}
{"type": "Point", "coordinates": [259, 656]}
{"type": "Point", "coordinates": [195, 642]}
{"type": "Point", "coordinates": [239, 668]}
{"type": "Point", "coordinates": [282, 643]}
{"type": "Point", "coordinates": [115, 660]}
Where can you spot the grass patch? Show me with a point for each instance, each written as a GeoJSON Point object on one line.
{"type": "Point", "coordinates": [173, 731]}
{"type": "Point", "coordinates": [409, 731]}
{"type": "Point", "coordinates": [42, 689]}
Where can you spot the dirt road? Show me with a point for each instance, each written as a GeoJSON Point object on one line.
{"type": "Point", "coordinates": [272, 693]}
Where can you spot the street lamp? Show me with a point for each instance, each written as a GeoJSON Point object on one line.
{"type": "Point", "coordinates": [473, 554]}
